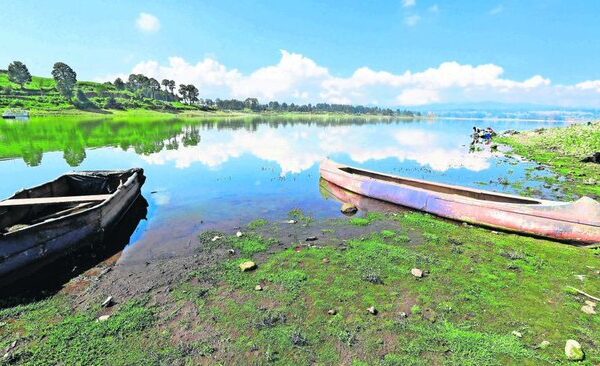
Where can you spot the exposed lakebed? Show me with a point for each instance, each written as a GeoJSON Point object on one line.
{"type": "Point", "coordinates": [220, 175]}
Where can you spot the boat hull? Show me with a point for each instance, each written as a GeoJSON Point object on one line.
{"type": "Point", "coordinates": [57, 237]}
{"type": "Point", "coordinates": [571, 222]}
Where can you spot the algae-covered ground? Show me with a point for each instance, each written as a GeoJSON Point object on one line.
{"type": "Point", "coordinates": [563, 149]}
{"type": "Point", "coordinates": [486, 298]}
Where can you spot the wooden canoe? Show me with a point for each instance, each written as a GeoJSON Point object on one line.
{"type": "Point", "coordinates": [51, 220]}
{"type": "Point", "coordinates": [577, 221]}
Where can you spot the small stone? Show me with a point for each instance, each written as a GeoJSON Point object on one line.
{"type": "Point", "coordinates": [247, 266]}
{"type": "Point", "coordinates": [312, 238]}
{"type": "Point", "coordinates": [325, 260]}
{"type": "Point", "coordinates": [588, 309]}
{"type": "Point", "coordinates": [215, 238]}
{"type": "Point", "coordinates": [372, 310]}
{"type": "Point", "coordinates": [590, 303]}
{"type": "Point", "coordinates": [231, 251]}
{"type": "Point", "coordinates": [517, 334]}
{"type": "Point", "coordinates": [258, 288]}
{"type": "Point", "coordinates": [331, 311]}
{"type": "Point", "coordinates": [348, 208]}
{"type": "Point", "coordinates": [416, 272]}
{"type": "Point", "coordinates": [103, 318]}
{"type": "Point", "coordinates": [544, 344]}
{"type": "Point", "coordinates": [239, 234]}
{"type": "Point", "coordinates": [291, 221]}
{"type": "Point", "coordinates": [108, 302]}
{"type": "Point", "coordinates": [403, 315]}
{"type": "Point", "coordinates": [573, 350]}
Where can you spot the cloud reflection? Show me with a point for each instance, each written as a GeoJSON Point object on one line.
{"type": "Point", "coordinates": [298, 148]}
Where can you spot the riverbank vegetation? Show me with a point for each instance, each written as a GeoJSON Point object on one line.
{"type": "Point", "coordinates": [348, 296]}
{"type": "Point", "coordinates": [64, 94]}
{"type": "Point", "coordinates": [567, 151]}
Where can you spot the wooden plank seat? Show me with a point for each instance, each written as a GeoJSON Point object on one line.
{"type": "Point", "coordinates": [53, 200]}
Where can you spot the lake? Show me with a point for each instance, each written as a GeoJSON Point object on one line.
{"type": "Point", "coordinates": [222, 174]}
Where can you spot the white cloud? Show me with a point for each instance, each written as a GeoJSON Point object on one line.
{"type": "Point", "coordinates": [409, 3]}
{"type": "Point", "coordinates": [589, 85]}
{"type": "Point", "coordinates": [418, 97]}
{"type": "Point", "coordinates": [434, 8]}
{"type": "Point", "coordinates": [147, 23]}
{"type": "Point", "coordinates": [412, 20]}
{"type": "Point", "coordinates": [497, 10]}
{"type": "Point", "coordinates": [297, 78]}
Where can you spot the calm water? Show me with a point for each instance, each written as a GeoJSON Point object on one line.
{"type": "Point", "coordinates": [203, 176]}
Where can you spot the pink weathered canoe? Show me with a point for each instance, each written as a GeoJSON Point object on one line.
{"type": "Point", "coordinates": [577, 221]}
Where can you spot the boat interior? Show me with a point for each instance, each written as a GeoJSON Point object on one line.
{"type": "Point", "coordinates": [38, 204]}
{"type": "Point", "coordinates": [478, 195]}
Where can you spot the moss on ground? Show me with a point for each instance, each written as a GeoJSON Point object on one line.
{"type": "Point", "coordinates": [563, 149]}
{"type": "Point", "coordinates": [479, 287]}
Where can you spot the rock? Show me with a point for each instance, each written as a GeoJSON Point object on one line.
{"type": "Point", "coordinates": [215, 238]}
{"type": "Point", "coordinates": [258, 288]}
{"type": "Point", "coordinates": [331, 311]}
{"type": "Point", "coordinates": [517, 334]}
{"type": "Point", "coordinates": [312, 238]}
{"type": "Point", "coordinates": [544, 344]}
{"type": "Point", "coordinates": [103, 318]}
{"type": "Point", "coordinates": [325, 260]}
{"type": "Point", "coordinates": [291, 221]}
{"type": "Point", "coordinates": [348, 209]}
{"type": "Point", "coordinates": [594, 158]}
{"type": "Point", "coordinates": [416, 272]}
{"type": "Point", "coordinates": [588, 309]}
{"type": "Point", "coordinates": [108, 302]}
{"type": "Point", "coordinates": [231, 251]}
{"type": "Point", "coordinates": [239, 234]}
{"type": "Point", "coordinates": [248, 266]}
{"type": "Point", "coordinates": [372, 310]}
{"type": "Point", "coordinates": [573, 350]}
{"type": "Point", "coordinates": [590, 303]}
{"type": "Point", "coordinates": [403, 315]}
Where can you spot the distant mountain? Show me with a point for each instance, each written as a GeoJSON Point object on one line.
{"type": "Point", "coordinates": [509, 110]}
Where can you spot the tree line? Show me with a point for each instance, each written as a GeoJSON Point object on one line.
{"type": "Point", "coordinates": [142, 86]}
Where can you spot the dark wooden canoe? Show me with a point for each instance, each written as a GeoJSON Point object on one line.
{"type": "Point", "coordinates": [577, 221]}
{"type": "Point", "coordinates": [52, 219]}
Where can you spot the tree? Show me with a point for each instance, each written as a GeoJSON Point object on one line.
{"type": "Point", "coordinates": [119, 84]}
{"type": "Point", "coordinates": [65, 79]}
{"type": "Point", "coordinates": [183, 92]}
{"type": "Point", "coordinates": [192, 93]}
{"type": "Point", "coordinates": [251, 103]}
{"type": "Point", "coordinates": [171, 86]}
{"type": "Point", "coordinates": [137, 82]}
{"type": "Point", "coordinates": [18, 73]}
{"type": "Point", "coordinates": [166, 83]}
{"type": "Point", "coordinates": [154, 86]}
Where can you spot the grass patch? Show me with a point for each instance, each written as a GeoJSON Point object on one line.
{"type": "Point", "coordinates": [563, 149]}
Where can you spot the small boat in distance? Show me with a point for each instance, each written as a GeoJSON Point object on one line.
{"type": "Point", "coordinates": [577, 222]}
{"type": "Point", "coordinates": [15, 114]}
{"type": "Point", "coordinates": [50, 220]}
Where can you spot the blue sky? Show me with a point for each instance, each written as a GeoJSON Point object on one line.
{"type": "Point", "coordinates": [555, 40]}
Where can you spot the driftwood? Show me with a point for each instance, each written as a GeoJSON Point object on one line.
{"type": "Point", "coordinates": [53, 200]}
{"type": "Point", "coordinates": [584, 293]}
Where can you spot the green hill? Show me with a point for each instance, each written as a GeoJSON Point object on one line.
{"type": "Point", "coordinates": [41, 95]}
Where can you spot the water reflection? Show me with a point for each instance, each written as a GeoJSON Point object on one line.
{"type": "Point", "coordinates": [221, 174]}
